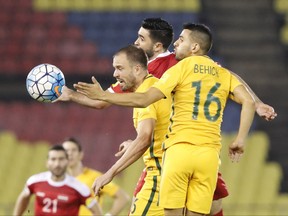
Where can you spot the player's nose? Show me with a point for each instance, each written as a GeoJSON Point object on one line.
{"type": "Point", "coordinates": [136, 43]}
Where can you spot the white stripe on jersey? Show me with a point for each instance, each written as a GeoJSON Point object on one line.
{"type": "Point", "coordinates": [69, 181]}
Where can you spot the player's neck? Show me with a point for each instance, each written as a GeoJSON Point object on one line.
{"type": "Point", "coordinates": [156, 54]}
{"type": "Point", "coordinates": [76, 170]}
{"type": "Point", "coordinates": [58, 178]}
{"type": "Point", "coordinates": [140, 80]}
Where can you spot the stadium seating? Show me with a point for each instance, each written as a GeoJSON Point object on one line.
{"type": "Point", "coordinates": [19, 160]}
{"type": "Point", "coordinates": [53, 123]}
{"type": "Point", "coordinates": [118, 5]}
{"type": "Point", "coordinates": [281, 208]}
{"type": "Point", "coordinates": [75, 38]}
{"type": "Point", "coordinates": [281, 7]}
{"type": "Point", "coordinates": [253, 183]}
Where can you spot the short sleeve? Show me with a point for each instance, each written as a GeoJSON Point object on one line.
{"type": "Point", "coordinates": [169, 80]}
{"type": "Point", "coordinates": [234, 82]}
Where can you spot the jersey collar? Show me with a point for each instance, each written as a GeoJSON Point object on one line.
{"type": "Point", "coordinates": [160, 55]}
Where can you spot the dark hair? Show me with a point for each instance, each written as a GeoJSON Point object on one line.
{"type": "Point", "coordinates": [58, 148]}
{"type": "Point", "coordinates": [202, 34]}
{"type": "Point", "coordinates": [75, 141]}
{"type": "Point", "coordinates": [160, 31]}
{"type": "Point", "coordinates": [135, 55]}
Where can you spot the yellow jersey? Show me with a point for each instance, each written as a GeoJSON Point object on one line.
{"type": "Point", "coordinates": [87, 177]}
{"type": "Point", "coordinates": [160, 111]}
{"type": "Point", "coordinates": [199, 88]}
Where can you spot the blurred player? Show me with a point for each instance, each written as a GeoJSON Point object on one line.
{"type": "Point", "coordinates": [199, 88]}
{"type": "Point", "coordinates": [57, 193]}
{"type": "Point", "coordinates": [154, 37]}
{"type": "Point", "coordinates": [87, 175]}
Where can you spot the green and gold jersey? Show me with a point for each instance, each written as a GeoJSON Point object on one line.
{"type": "Point", "coordinates": [160, 111]}
{"type": "Point", "coordinates": [199, 88]}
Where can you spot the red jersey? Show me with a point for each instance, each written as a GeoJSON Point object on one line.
{"type": "Point", "coordinates": [161, 63]}
{"type": "Point", "coordinates": [156, 67]}
{"type": "Point", "coordinates": [57, 198]}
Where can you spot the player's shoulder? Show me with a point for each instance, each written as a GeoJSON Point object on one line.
{"type": "Point", "coordinates": [148, 82]}
{"type": "Point", "coordinates": [91, 172]}
{"type": "Point", "coordinates": [39, 177]}
{"type": "Point", "coordinates": [166, 57]}
{"type": "Point", "coordinates": [115, 88]}
{"type": "Point", "coordinates": [80, 187]}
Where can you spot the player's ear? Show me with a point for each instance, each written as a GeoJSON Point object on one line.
{"type": "Point", "coordinates": [158, 46]}
{"type": "Point", "coordinates": [137, 69]}
{"type": "Point", "coordinates": [195, 47]}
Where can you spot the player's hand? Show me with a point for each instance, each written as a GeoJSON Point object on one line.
{"type": "Point", "coordinates": [100, 182]}
{"type": "Point", "coordinates": [92, 90]}
{"type": "Point", "coordinates": [65, 94]}
{"type": "Point", "coordinates": [265, 111]}
{"type": "Point", "coordinates": [123, 147]}
{"type": "Point", "coordinates": [236, 150]}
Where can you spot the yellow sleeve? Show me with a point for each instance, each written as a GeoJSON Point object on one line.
{"type": "Point", "coordinates": [234, 83]}
{"type": "Point", "coordinates": [170, 79]}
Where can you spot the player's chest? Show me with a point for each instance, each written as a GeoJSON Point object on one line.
{"type": "Point", "coordinates": [56, 198]}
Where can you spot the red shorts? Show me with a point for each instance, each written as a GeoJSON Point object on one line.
{"type": "Point", "coordinates": [220, 191]}
{"type": "Point", "coordinates": [140, 183]}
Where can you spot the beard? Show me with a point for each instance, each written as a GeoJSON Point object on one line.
{"type": "Point", "coordinates": [58, 172]}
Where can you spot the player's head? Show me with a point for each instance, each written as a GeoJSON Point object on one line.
{"type": "Point", "coordinates": [195, 39]}
{"type": "Point", "coordinates": [130, 67]}
{"type": "Point", "coordinates": [57, 161]}
{"type": "Point", "coordinates": [74, 151]}
{"type": "Point", "coordinates": [154, 36]}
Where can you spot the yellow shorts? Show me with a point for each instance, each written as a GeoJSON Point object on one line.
{"type": "Point", "coordinates": [146, 201]}
{"type": "Point", "coordinates": [189, 176]}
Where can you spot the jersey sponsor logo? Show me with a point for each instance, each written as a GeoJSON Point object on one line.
{"type": "Point", "coordinates": [40, 194]}
{"type": "Point", "coordinates": [62, 197]}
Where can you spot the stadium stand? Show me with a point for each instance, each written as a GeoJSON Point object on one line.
{"type": "Point", "coordinates": [281, 7]}
{"type": "Point", "coordinates": [118, 5]}
{"type": "Point", "coordinates": [53, 122]}
{"type": "Point", "coordinates": [33, 37]}
{"type": "Point", "coordinates": [19, 160]}
{"type": "Point", "coordinates": [62, 37]}
{"type": "Point", "coordinates": [253, 183]}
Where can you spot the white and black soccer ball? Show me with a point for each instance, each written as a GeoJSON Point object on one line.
{"type": "Point", "coordinates": [44, 82]}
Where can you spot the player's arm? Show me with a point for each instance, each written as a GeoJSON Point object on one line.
{"type": "Point", "coordinates": [120, 200]}
{"type": "Point", "coordinates": [134, 151]}
{"type": "Point", "coordinates": [94, 91]}
{"type": "Point", "coordinates": [242, 96]}
{"type": "Point", "coordinates": [95, 208]}
{"type": "Point", "coordinates": [74, 96]}
{"type": "Point", "coordinates": [263, 110]}
{"type": "Point", "coordinates": [22, 202]}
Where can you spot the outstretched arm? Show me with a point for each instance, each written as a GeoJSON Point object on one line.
{"type": "Point", "coordinates": [22, 202]}
{"type": "Point", "coordinates": [94, 91]}
{"type": "Point", "coordinates": [74, 96]}
{"type": "Point", "coordinates": [242, 96]}
{"type": "Point", "coordinates": [263, 110]}
{"type": "Point", "coordinates": [134, 151]}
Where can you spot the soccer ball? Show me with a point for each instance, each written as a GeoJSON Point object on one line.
{"type": "Point", "coordinates": [44, 82]}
